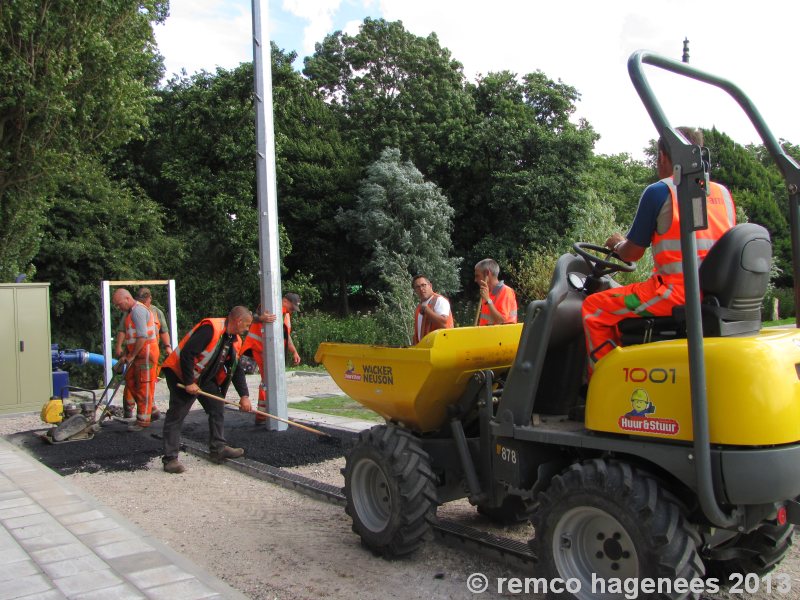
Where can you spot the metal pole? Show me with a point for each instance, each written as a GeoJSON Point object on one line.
{"type": "Point", "coordinates": [173, 314]}
{"type": "Point", "coordinates": [266, 190]}
{"type": "Point", "coordinates": [108, 344]}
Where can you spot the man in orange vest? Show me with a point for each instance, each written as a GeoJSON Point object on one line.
{"type": "Point", "coordinates": [433, 311]}
{"type": "Point", "coordinates": [656, 224]}
{"type": "Point", "coordinates": [254, 343]}
{"type": "Point", "coordinates": [498, 301]}
{"type": "Point", "coordinates": [144, 296]}
{"type": "Point", "coordinates": [205, 359]}
{"type": "Point", "coordinates": [141, 354]}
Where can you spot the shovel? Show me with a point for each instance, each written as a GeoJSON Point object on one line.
{"type": "Point", "coordinates": [260, 412]}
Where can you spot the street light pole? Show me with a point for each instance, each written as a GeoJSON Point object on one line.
{"type": "Point", "coordinates": [266, 189]}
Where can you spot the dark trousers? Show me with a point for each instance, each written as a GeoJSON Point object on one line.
{"type": "Point", "coordinates": [179, 405]}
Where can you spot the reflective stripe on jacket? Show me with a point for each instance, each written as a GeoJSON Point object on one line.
{"type": "Point", "coordinates": [131, 333]}
{"type": "Point", "coordinates": [254, 340]}
{"type": "Point", "coordinates": [505, 301]}
{"type": "Point", "coordinates": [201, 361]}
{"type": "Point", "coordinates": [667, 256]}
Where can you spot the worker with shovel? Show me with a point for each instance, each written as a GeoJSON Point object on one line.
{"type": "Point", "coordinates": [205, 361]}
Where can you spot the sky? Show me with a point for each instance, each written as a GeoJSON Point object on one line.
{"type": "Point", "coordinates": [584, 43]}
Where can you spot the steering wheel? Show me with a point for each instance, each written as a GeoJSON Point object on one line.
{"type": "Point", "coordinates": [602, 265]}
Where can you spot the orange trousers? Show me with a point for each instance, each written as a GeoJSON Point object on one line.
{"type": "Point", "coordinates": [140, 384]}
{"type": "Point", "coordinates": [262, 389]}
{"type": "Point", "coordinates": [602, 311]}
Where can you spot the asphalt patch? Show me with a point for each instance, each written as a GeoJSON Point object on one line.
{"type": "Point", "coordinates": [293, 447]}
{"type": "Point", "coordinates": [113, 448]}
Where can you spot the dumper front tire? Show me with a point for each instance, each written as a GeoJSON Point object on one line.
{"type": "Point", "coordinates": [390, 490]}
{"type": "Point", "coordinates": [604, 521]}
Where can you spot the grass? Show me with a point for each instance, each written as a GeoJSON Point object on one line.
{"type": "Point", "coordinates": [789, 321]}
{"type": "Point", "coordinates": [310, 368]}
{"type": "Point", "coordinates": [340, 406]}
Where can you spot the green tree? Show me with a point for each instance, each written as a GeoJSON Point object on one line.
{"type": "Point", "coordinates": [528, 161]}
{"type": "Point", "coordinates": [199, 164]}
{"type": "Point", "coordinates": [99, 229]}
{"type": "Point", "coordinates": [391, 88]}
{"type": "Point", "coordinates": [76, 77]}
{"type": "Point", "coordinates": [404, 223]}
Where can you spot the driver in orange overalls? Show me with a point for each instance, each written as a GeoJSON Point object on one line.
{"type": "Point", "coordinates": [656, 224]}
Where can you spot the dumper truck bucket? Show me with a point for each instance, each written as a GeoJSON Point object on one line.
{"type": "Point", "coordinates": [415, 385]}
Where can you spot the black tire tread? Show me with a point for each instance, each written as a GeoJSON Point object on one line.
{"type": "Point", "coordinates": [409, 466]}
{"type": "Point", "coordinates": [673, 541]}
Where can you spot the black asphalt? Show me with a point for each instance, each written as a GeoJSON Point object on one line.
{"type": "Point", "coordinates": [114, 448]}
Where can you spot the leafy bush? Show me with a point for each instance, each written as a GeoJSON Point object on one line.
{"type": "Point", "coordinates": [786, 305]}
{"type": "Point", "coordinates": [311, 329]}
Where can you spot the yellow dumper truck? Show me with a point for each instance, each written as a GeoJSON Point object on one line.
{"type": "Point", "coordinates": [679, 462]}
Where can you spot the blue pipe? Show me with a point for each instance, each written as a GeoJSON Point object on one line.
{"type": "Point", "coordinates": [60, 358]}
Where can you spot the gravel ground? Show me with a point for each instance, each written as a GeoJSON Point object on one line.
{"type": "Point", "coordinates": [266, 541]}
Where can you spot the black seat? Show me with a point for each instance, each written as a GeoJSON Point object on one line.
{"type": "Point", "coordinates": [733, 280]}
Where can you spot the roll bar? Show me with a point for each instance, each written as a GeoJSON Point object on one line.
{"type": "Point", "coordinates": [690, 174]}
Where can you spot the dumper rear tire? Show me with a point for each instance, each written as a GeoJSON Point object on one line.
{"type": "Point", "coordinates": [390, 491]}
{"type": "Point", "coordinates": [604, 521]}
{"type": "Point", "coordinates": [762, 550]}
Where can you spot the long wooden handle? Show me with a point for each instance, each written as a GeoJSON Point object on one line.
{"type": "Point", "coordinates": [260, 412]}
{"type": "Point", "coordinates": [478, 314]}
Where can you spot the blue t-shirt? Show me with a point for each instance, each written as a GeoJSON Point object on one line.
{"type": "Point", "coordinates": [646, 219]}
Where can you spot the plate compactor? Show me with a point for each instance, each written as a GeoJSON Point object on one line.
{"type": "Point", "coordinates": [678, 463]}
{"type": "Point", "coordinates": [74, 421]}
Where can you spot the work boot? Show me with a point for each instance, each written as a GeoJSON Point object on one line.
{"type": "Point", "coordinates": [174, 466]}
{"type": "Point", "coordinates": [155, 415]}
{"type": "Point", "coordinates": [226, 452]}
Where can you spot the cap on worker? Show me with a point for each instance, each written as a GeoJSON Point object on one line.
{"type": "Point", "coordinates": [294, 300]}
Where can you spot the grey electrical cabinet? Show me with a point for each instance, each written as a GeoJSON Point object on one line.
{"type": "Point", "coordinates": [25, 363]}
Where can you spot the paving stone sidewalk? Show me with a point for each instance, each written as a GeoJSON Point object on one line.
{"type": "Point", "coordinates": [58, 542]}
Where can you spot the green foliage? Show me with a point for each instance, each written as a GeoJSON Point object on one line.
{"type": "Point", "coordinates": [404, 224]}
{"type": "Point", "coordinates": [403, 220]}
{"type": "Point", "coordinates": [96, 229]}
{"type": "Point", "coordinates": [391, 88]}
{"type": "Point", "coordinates": [75, 77]}
{"type": "Point", "coordinates": [313, 328]}
{"type": "Point", "coordinates": [786, 303]}
{"type": "Point", "coordinates": [527, 161]}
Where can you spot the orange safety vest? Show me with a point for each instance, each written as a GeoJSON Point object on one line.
{"type": "Point", "coordinates": [505, 301]}
{"type": "Point", "coordinates": [427, 324]}
{"type": "Point", "coordinates": [151, 335]}
{"type": "Point", "coordinates": [254, 340]}
{"type": "Point", "coordinates": [201, 361]}
{"type": "Point", "coordinates": [667, 257]}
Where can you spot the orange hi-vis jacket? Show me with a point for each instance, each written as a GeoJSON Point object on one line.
{"type": "Point", "coordinates": [505, 301]}
{"type": "Point", "coordinates": [201, 361]}
{"type": "Point", "coordinates": [667, 256]}
{"type": "Point", "coordinates": [151, 335]}
{"type": "Point", "coordinates": [427, 324]}
{"type": "Point", "coordinates": [254, 340]}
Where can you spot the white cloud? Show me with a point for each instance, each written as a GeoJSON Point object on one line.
{"type": "Point", "coordinates": [204, 34]}
{"type": "Point", "coordinates": [585, 43]}
{"type": "Point", "coordinates": [319, 14]}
